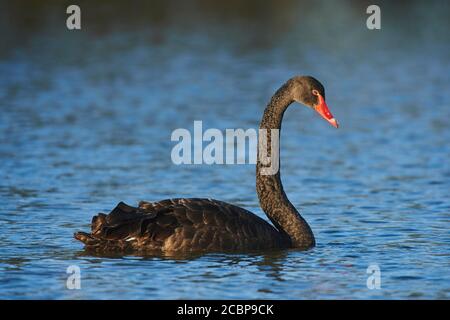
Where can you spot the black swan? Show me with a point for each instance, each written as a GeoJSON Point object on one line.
{"type": "Point", "coordinates": [196, 225]}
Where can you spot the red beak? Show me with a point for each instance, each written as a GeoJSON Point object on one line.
{"type": "Point", "coordinates": [323, 110]}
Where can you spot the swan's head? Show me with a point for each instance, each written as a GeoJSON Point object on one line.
{"type": "Point", "coordinates": [310, 92]}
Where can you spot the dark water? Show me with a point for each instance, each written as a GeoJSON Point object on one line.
{"type": "Point", "coordinates": [86, 119]}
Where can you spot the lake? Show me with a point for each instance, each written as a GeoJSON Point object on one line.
{"type": "Point", "coordinates": [87, 116]}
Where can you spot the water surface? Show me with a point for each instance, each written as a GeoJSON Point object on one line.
{"type": "Point", "coordinates": [86, 120]}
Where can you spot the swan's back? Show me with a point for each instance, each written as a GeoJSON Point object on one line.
{"type": "Point", "coordinates": [180, 225]}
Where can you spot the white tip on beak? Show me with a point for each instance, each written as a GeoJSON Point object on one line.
{"type": "Point", "coordinates": [334, 122]}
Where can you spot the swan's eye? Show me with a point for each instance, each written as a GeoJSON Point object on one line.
{"type": "Point", "coordinates": [315, 92]}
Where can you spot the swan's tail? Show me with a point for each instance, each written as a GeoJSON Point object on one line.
{"type": "Point", "coordinates": [102, 245]}
{"type": "Point", "coordinates": [115, 231]}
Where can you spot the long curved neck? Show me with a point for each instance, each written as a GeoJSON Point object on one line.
{"type": "Point", "coordinates": [272, 197]}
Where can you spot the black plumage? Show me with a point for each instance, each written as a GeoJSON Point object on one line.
{"type": "Point", "coordinates": [198, 225]}
{"type": "Point", "coordinates": [181, 225]}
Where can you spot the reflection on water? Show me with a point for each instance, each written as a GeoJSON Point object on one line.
{"type": "Point", "coordinates": [86, 120]}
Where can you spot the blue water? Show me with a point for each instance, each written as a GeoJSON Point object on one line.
{"type": "Point", "coordinates": [86, 119]}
